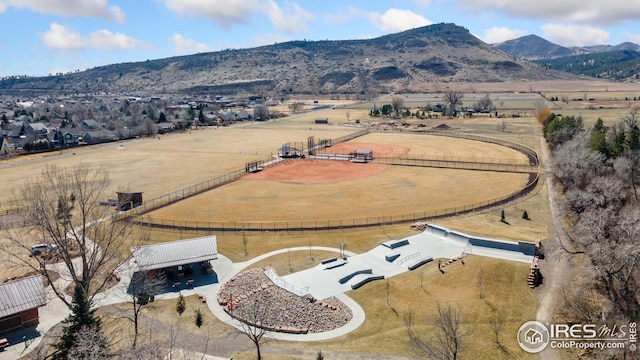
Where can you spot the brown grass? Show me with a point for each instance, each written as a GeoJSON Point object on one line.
{"type": "Point", "coordinates": [394, 191]}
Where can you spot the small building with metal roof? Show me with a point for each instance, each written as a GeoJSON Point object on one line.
{"type": "Point", "coordinates": [175, 253]}
{"type": "Point", "coordinates": [19, 303]}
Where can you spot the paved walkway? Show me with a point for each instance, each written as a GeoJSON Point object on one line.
{"type": "Point", "coordinates": [321, 281]}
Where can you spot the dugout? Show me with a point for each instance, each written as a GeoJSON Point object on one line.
{"type": "Point", "coordinates": [129, 199]}
{"type": "Point", "coordinates": [288, 151]}
{"type": "Point", "coordinates": [361, 155]}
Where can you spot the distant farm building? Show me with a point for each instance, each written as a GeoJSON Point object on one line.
{"type": "Point", "coordinates": [129, 199]}
{"type": "Point", "coordinates": [19, 303]}
{"type": "Point", "coordinates": [321, 121]}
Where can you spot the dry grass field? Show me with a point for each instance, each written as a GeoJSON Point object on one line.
{"type": "Point", "coordinates": [389, 190]}
{"type": "Point", "coordinates": [179, 160]}
{"type": "Point", "coordinates": [505, 297]}
{"type": "Point", "coordinates": [393, 191]}
{"type": "Point", "coordinates": [160, 166]}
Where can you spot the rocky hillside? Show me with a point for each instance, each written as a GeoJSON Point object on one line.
{"type": "Point", "coordinates": [405, 62]}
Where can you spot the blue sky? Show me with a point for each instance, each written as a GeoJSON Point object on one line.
{"type": "Point", "coordinates": [39, 37]}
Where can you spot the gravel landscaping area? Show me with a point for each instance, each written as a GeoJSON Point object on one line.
{"type": "Point", "coordinates": [256, 299]}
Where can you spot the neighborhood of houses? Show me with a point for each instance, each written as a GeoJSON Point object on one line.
{"type": "Point", "coordinates": [50, 123]}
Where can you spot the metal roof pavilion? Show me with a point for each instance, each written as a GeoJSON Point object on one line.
{"type": "Point", "coordinates": [20, 295]}
{"type": "Point", "coordinates": [182, 252]}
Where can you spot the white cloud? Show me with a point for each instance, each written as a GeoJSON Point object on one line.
{"type": "Point", "coordinates": [294, 21]}
{"type": "Point", "coordinates": [422, 3]}
{"type": "Point", "coordinates": [225, 13]}
{"type": "Point", "coordinates": [60, 37]}
{"type": "Point", "coordinates": [182, 45]}
{"type": "Point", "coordinates": [398, 20]}
{"type": "Point", "coordinates": [342, 16]}
{"type": "Point", "coordinates": [595, 12]}
{"type": "Point", "coordinates": [69, 8]}
{"type": "Point", "coordinates": [106, 40]}
{"type": "Point", "coordinates": [634, 38]}
{"type": "Point", "coordinates": [574, 35]}
{"type": "Point", "coordinates": [498, 34]}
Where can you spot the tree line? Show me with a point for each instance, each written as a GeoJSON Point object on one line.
{"type": "Point", "coordinates": [597, 171]}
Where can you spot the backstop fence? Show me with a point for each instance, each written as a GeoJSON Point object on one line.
{"type": "Point", "coordinates": [332, 224]}
{"type": "Point", "coordinates": [207, 226]}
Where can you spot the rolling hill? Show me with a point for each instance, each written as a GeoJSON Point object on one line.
{"type": "Point", "coordinates": [400, 62]}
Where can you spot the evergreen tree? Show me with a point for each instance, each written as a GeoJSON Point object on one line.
{"type": "Point", "coordinates": [162, 118]}
{"type": "Point", "coordinates": [201, 118]}
{"type": "Point", "coordinates": [181, 305]}
{"type": "Point", "coordinates": [598, 141]}
{"type": "Point", "coordinates": [633, 138]}
{"type": "Point", "coordinates": [199, 318]}
{"type": "Point", "coordinates": [81, 317]}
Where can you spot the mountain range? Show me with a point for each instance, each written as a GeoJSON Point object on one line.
{"type": "Point", "coordinates": [408, 61]}
{"type": "Point", "coordinates": [533, 47]}
{"type": "Point", "coordinates": [619, 63]}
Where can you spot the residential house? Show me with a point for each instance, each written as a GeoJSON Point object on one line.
{"type": "Point", "coordinates": [23, 119]}
{"type": "Point", "coordinates": [164, 128]}
{"type": "Point", "coordinates": [90, 124]}
{"type": "Point", "coordinates": [226, 118]}
{"type": "Point", "coordinates": [99, 136]}
{"type": "Point", "coordinates": [244, 115]}
{"type": "Point", "coordinates": [36, 130]}
{"type": "Point", "coordinates": [19, 303]}
{"type": "Point", "coordinates": [65, 138]}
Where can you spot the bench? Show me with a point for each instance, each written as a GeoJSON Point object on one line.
{"type": "Point", "coordinates": [176, 284]}
{"type": "Point", "coordinates": [190, 282]}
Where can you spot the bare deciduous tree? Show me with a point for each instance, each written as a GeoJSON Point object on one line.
{"type": "Point", "coordinates": [447, 340]}
{"type": "Point", "coordinates": [63, 206]}
{"type": "Point", "coordinates": [142, 290]}
{"type": "Point", "coordinates": [89, 344]}
{"type": "Point", "coordinates": [296, 106]}
{"type": "Point", "coordinates": [631, 117]}
{"type": "Point", "coordinates": [484, 104]}
{"type": "Point", "coordinates": [397, 103]}
{"type": "Point", "coordinates": [453, 99]}
{"type": "Point", "coordinates": [252, 326]}
{"type": "Point", "coordinates": [261, 112]}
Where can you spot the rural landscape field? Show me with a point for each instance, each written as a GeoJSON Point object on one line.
{"type": "Point", "coordinates": [189, 158]}
{"type": "Point", "coordinates": [418, 192]}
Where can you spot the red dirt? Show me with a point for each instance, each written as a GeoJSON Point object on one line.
{"type": "Point", "coordinates": [310, 171]}
{"type": "Point", "coordinates": [379, 150]}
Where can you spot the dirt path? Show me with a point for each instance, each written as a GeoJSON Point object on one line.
{"type": "Point", "coordinates": [555, 267]}
{"type": "Point", "coordinates": [233, 341]}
